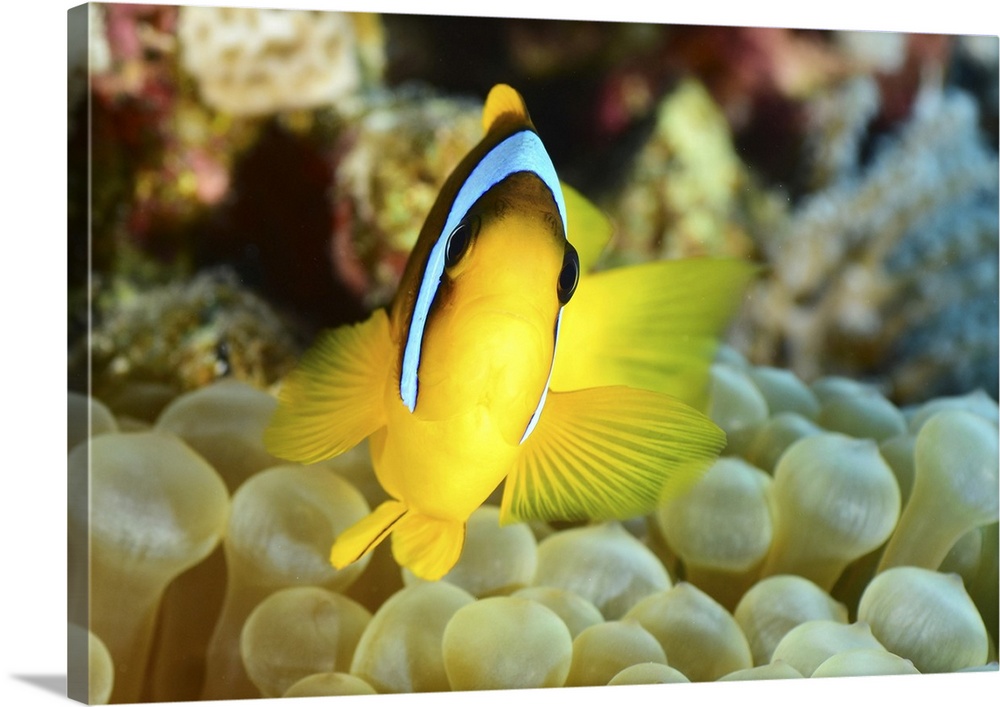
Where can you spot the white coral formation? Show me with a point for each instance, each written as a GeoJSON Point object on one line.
{"type": "Point", "coordinates": [251, 61]}
{"type": "Point", "coordinates": [890, 266]}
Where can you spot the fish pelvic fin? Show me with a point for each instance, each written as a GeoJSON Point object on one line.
{"type": "Point", "coordinates": [654, 326]}
{"type": "Point", "coordinates": [429, 547]}
{"type": "Point", "coordinates": [335, 397]}
{"type": "Point", "coordinates": [612, 452]}
{"type": "Point", "coordinates": [362, 537]}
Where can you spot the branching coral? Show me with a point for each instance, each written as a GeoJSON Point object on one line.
{"type": "Point", "coordinates": [890, 269]}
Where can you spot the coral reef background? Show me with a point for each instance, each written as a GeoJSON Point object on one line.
{"type": "Point", "coordinates": [301, 150]}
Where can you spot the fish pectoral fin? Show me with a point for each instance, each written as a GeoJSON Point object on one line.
{"type": "Point", "coordinates": [429, 547]}
{"type": "Point", "coordinates": [653, 326]}
{"type": "Point", "coordinates": [587, 228]}
{"type": "Point", "coordinates": [612, 452]}
{"type": "Point", "coordinates": [335, 396]}
{"type": "Point", "coordinates": [362, 537]}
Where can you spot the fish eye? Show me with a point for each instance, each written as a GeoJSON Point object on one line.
{"type": "Point", "coordinates": [569, 276]}
{"type": "Point", "coordinates": [458, 241]}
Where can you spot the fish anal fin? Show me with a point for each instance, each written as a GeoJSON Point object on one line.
{"type": "Point", "coordinates": [429, 547]}
{"type": "Point", "coordinates": [362, 537]}
{"type": "Point", "coordinates": [336, 395]}
{"type": "Point", "coordinates": [588, 229]}
{"type": "Point", "coordinates": [504, 104]}
{"type": "Point", "coordinates": [612, 452]}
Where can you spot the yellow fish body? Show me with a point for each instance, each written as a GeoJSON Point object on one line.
{"type": "Point", "coordinates": [459, 387]}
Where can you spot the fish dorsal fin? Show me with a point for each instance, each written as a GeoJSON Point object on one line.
{"type": "Point", "coordinates": [335, 397]}
{"type": "Point", "coordinates": [603, 453]}
{"type": "Point", "coordinates": [589, 230]}
{"type": "Point", "coordinates": [504, 104]}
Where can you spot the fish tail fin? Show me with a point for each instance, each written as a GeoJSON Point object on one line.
{"type": "Point", "coordinates": [362, 537]}
{"type": "Point", "coordinates": [427, 546]}
{"type": "Point", "coordinates": [335, 397]}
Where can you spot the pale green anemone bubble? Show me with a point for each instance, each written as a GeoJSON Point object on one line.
{"type": "Point", "coordinates": [806, 646]}
{"type": "Point", "coordinates": [771, 439]}
{"type": "Point", "coordinates": [721, 527]}
{"type": "Point", "coordinates": [495, 559]}
{"type": "Point", "coordinates": [401, 648]}
{"type": "Point", "coordinates": [700, 638]}
{"type": "Point", "coordinates": [87, 417]}
{"type": "Point", "coordinates": [784, 392]}
{"type": "Point", "coordinates": [827, 388]}
{"type": "Point", "coordinates": [926, 617]}
{"type": "Point", "coordinates": [835, 500]}
{"type": "Point", "coordinates": [224, 422]}
{"type": "Point", "coordinates": [735, 404]}
{"type": "Point", "coordinates": [864, 416]}
{"type": "Point", "coordinates": [329, 685]}
{"type": "Point", "coordinates": [503, 643]}
{"type": "Point", "coordinates": [298, 632]}
{"type": "Point", "coordinates": [977, 402]}
{"type": "Point", "coordinates": [898, 452]}
{"type": "Point", "coordinates": [729, 355]}
{"type": "Point", "coordinates": [956, 462]}
{"type": "Point", "coordinates": [864, 661]}
{"type": "Point", "coordinates": [283, 523]}
{"type": "Point", "coordinates": [575, 611]}
{"type": "Point", "coordinates": [776, 605]}
{"type": "Point", "coordinates": [648, 674]}
{"type": "Point", "coordinates": [604, 650]}
{"type": "Point", "coordinates": [604, 564]}
{"type": "Point", "coordinates": [156, 509]}
{"type": "Point", "coordinates": [99, 670]}
{"type": "Point", "coordinates": [778, 670]}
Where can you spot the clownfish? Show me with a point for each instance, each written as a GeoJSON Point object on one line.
{"type": "Point", "coordinates": [500, 360]}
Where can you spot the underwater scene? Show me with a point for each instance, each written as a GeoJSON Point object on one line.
{"type": "Point", "coordinates": [415, 353]}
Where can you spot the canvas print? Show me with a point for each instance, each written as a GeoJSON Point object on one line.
{"type": "Point", "coordinates": [414, 353]}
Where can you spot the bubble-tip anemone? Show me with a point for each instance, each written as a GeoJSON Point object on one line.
{"type": "Point", "coordinates": [283, 522]}
{"type": "Point", "coordinates": [835, 500]}
{"type": "Point", "coordinates": [401, 647]}
{"type": "Point", "coordinates": [700, 638]}
{"type": "Point", "coordinates": [604, 650]}
{"type": "Point", "coordinates": [502, 643]}
{"type": "Point", "coordinates": [298, 632]}
{"type": "Point", "coordinates": [955, 482]}
{"type": "Point", "coordinates": [156, 508]}
{"type": "Point", "coordinates": [776, 605]}
{"type": "Point", "coordinates": [648, 674]}
{"type": "Point", "coordinates": [329, 685]}
{"type": "Point", "coordinates": [721, 527]}
{"type": "Point", "coordinates": [604, 564]}
{"type": "Point", "coordinates": [806, 646]}
{"type": "Point", "coordinates": [926, 617]}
